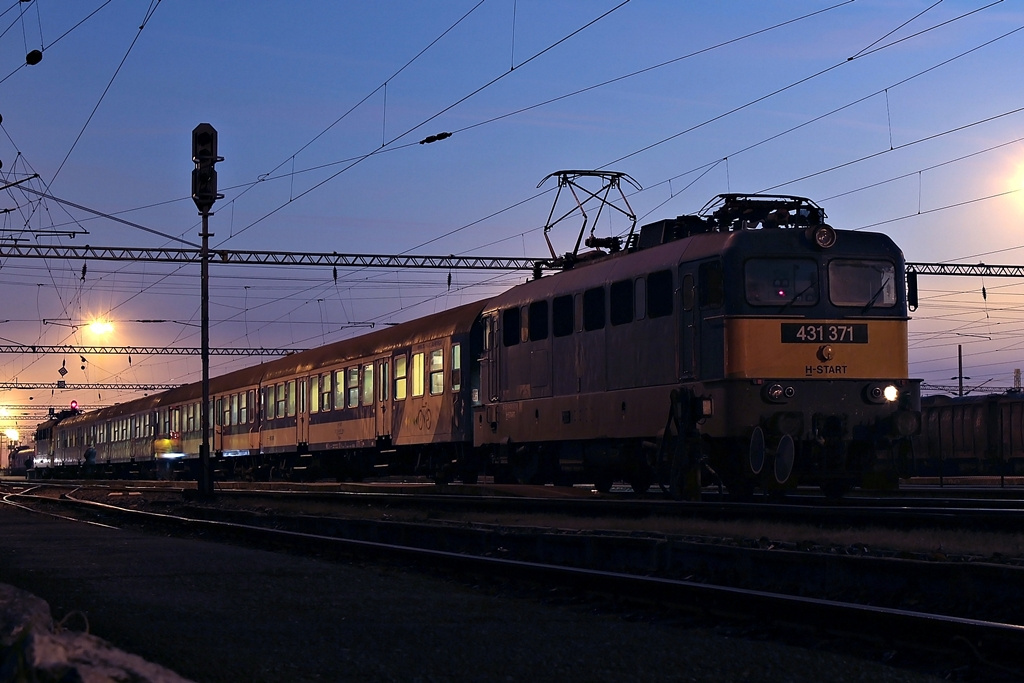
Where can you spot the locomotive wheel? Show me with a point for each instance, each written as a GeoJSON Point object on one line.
{"type": "Point", "coordinates": [685, 478]}
{"type": "Point", "coordinates": [525, 465]}
{"type": "Point", "coordinates": [641, 481]}
{"type": "Point", "coordinates": [757, 454]}
{"type": "Point", "coordinates": [603, 482]}
{"type": "Point", "coordinates": [785, 456]}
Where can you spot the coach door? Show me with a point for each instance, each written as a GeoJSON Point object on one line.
{"type": "Point", "coordinates": [301, 398]}
{"type": "Point", "coordinates": [382, 403]}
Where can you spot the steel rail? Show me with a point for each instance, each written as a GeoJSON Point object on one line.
{"type": "Point", "coordinates": [994, 644]}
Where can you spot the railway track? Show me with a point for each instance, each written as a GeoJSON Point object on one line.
{"type": "Point", "coordinates": [963, 609]}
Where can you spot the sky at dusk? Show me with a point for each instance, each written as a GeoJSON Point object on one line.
{"type": "Point", "coordinates": [900, 117]}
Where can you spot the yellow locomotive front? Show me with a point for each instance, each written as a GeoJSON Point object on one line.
{"type": "Point", "coordinates": [798, 334]}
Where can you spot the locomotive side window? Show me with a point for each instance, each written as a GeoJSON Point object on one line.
{"type": "Point", "coordinates": [687, 292]}
{"type": "Point", "coordinates": [437, 372]}
{"type": "Point", "coordinates": [709, 279]}
{"type": "Point", "coordinates": [640, 298]}
{"type": "Point", "coordinates": [659, 294]}
{"type": "Point", "coordinates": [781, 282]}
{"type": "Point", "coordinates": [562, 322]}
{"type": "Point", "coordinates": [862, 283]}
{"type": "Point", "coordinates": [416, 372]}
{"type": "Point", "coordinates": [593, 309]}
{"type": "Point", "coordinates": [538, 315]}
{"type": "Point", "coordinates": [621, 300]}
{"type": "Point", "coordinates": [510, 326]}
{"type": "Point", "coordinates": [400, 379]}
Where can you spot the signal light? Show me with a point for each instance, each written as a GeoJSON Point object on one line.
{"type": "Point", "coordinates": [204, 177]}
{"type": "Point", "coordinates": [74, 405]}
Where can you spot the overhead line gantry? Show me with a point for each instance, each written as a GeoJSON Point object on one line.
{"type": "Point", "coordinates": [273, 258]}
{"type": "Point", "coordinates": [142, 350]}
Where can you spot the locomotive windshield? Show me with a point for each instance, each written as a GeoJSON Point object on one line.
{"type": "Point", "coordinates": [781, 282]}
{"type": "Point", "coordinates": [862, 283]}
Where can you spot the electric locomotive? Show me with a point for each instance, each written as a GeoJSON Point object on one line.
{"type": "Point", "coordinates": [752, 342]}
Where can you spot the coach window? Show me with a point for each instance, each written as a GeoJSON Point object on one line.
{"type": "Point", "coordinates": [659, 294]}
{"type": "Point", "coordinates": [234, 409]}
{"type": "Point", "coordinates": [352, 386]}
{"type": "Point", "coordinates": [538, 314]}
{"type": "Point", "coordinates": [709, 278]}
{"type": "Point", "coordinates": [289, 398]}
{"type": "Point", "coordinates": [593, 309]}
{"type": "Point", "coordinates": [268, 402]}
{"type": "Point", "coordinates": [325, 392]}
{"type": "Point", "coordinates": [314, 394]}
{"type": "Point", "coordinates": [436, 372]}
{"type": "Point", "coordinates": [456, 367]}
{"type": "Point", "coordinates": [510, 326]}
{"type": "Point", "coordinates": [243, 407]}
{"type": "Point", "coordinates": [562, 321]}
{"type": "Point", "coordinates": [281, 396]}
{"type": "Point", "coordinates": [621, 301]}
{"type": "Point", "coordinates": [384, 381]}
{"type": "Point", "coordinates": [300, 395]}
{"type": "Point", "coordinates": [401, 368]}
{"type": "Point", "coordinates": [339, 389]}
{"type": "Point", "coordinates": [368, 384]}
{"type": "Point", "coordinates": [417, 374]}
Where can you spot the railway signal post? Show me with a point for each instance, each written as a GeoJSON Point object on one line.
{"type": "Point", "coordinates": [204, 194]}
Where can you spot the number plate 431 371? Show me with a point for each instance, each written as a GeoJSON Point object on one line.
{"type": "Point", "coordinates": [824, 333]}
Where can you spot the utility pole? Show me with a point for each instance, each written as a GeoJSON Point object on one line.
{"type": "Point", "coordinates": [204, 194]}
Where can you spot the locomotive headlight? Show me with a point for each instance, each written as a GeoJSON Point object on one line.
{"type": "Point", "coordinates": [823, 236]}
{"type": "Point", "coordinates": [891, 393]}
{"type": "Point", "coordinates": [777, 393]}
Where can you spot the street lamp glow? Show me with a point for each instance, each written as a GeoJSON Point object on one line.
{"type": "Point", "coordinates": [11, 434]}
{"type": "Point", "coordinates": [100, 327]}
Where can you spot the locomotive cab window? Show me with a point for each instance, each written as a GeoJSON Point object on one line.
{"type": "Point", "coordinates": [781, 282]}
{"type": "Point", "coordinates": [862, 283]}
